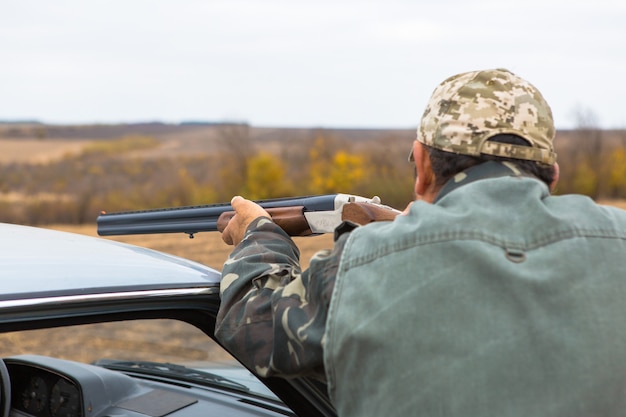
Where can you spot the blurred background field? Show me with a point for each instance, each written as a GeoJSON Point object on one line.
{"type": "Point", "coordinates": [54, 174]}
{"type": "Point", "coordinates": [68, 174]}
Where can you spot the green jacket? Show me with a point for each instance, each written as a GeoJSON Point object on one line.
{"type": "Point", "coordinates": [498, 300]}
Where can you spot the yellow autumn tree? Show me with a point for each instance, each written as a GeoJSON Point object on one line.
{"type": "Point", "coordinates": [185, 191]}
{"type": "Point", "coordinates": [585, 180]}
{"type": "Point", "coordinates": [266, 177]}
{"type": "Point", "coordinates": [343, 173]}
{"type": "Point", "coordinates": [616, 179]}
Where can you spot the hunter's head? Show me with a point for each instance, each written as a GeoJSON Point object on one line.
{"type": "Point", "coordinates": [487, 115]}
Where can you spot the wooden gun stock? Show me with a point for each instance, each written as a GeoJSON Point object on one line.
{"type": "Point", "coordinates": [364, 213]}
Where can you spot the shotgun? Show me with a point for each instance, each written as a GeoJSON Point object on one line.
{"type": "Point", "coordinates": [298, 216]}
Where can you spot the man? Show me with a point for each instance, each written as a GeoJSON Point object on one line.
{"type": "Point", "coordinates": [487, 297]}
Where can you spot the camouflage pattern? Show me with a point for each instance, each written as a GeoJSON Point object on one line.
{"type": "Point", "coordinates": [467, 109]}
{"type": "Point", "coordinates": [272, 315]}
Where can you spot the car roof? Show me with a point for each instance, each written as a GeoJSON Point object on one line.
{"type": "Point", "coordinates": [43, 260]}
{"type": "Point", "coordinates": [50, 278]}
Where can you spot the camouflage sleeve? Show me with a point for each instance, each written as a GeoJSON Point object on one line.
{"type": "Point", "coordinates": [272, 315]}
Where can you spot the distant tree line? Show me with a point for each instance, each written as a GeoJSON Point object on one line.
{"type": "Point", "coordinates": [113, 175]}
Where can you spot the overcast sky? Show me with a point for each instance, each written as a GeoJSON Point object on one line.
{"type": "Point", "coordinates": [335, 63]}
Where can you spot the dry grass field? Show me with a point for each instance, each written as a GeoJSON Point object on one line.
{"type": "Point", "coordinates": [38, 151]}
{"type": "Point", "coordinates": [616, 203]}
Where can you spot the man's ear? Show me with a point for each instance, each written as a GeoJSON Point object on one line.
{"type": "Point", "coordinates": [556, 177]}
{"type": "Point", "coordinates": [425, 181]}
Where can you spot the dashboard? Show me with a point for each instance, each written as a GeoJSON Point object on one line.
{"type": "Point", "coordinates": [43, 386]}
{"type": "Point", "coordinates": [42, 393]}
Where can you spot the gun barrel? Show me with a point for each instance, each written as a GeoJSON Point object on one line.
{"type": "Point", "coordinates": [194, 219]}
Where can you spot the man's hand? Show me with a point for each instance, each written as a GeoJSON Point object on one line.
{"type": "Point", "coordinates": [246, 212]}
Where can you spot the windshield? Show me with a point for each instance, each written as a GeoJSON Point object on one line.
{"type": "Point", "coordinates": [162, 348]}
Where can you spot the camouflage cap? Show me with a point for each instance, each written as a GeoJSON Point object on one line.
{"type": "Point", "coordinates": [467, 109]}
